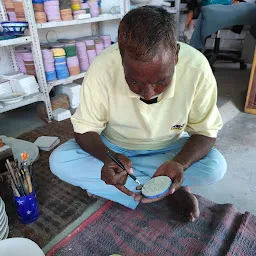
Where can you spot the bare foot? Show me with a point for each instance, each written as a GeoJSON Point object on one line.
{"type": "Point", "coordinates": [188, 201]}
{"type": "Point", "coordinates": [92, 195]}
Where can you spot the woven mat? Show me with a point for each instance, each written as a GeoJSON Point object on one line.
{"type": "Point", "coordinates": [161, 229]}
{"type": "Point", "coordinates": [59, 203]}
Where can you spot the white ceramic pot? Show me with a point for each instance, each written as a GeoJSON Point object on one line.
{"type": "Point", "coordinates": [140, 1]}
{"type": "Point", "coordinates": [107, 5]}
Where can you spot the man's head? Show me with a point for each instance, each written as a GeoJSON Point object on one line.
{"type": "Point", "coordinates": [149, 51]}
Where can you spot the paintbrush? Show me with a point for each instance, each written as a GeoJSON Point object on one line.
{"type": "Point", "coordinates": [122, 167]}
{"type": "Point", "coordinates": [24, 182]}
{"type": "Point", "coordinates": [19, 184]}
{"type": "Point", "coordinates": [15, 167]}
{"type": "Point", "coordinates": [13, 185]}
{"type": "Point", "coordinates": [9, 168]}
{"type": "Point", "coordinates": [14, 189]}
{"type": "Point", "coordinates": [24, 158]}
{"type": "Point", "coordinates": [15, 178]}
{"type": "Point", "coordinates": [30, 171]}
{"type": "Point", "coordinates": [21, 189]}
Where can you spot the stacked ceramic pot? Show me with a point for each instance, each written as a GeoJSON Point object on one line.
{"type": "Point", "coordinates": [15, 10]}
{"type": "Point", "coordinates": [91, 50]}
{"type": "Point", "coordinates": [38, 5]}
{"type": "Point", "coordinates": [29, 63]}
{"type": "Point", "coordinates": [85, 7]}
{"type": "Point", "coordinates": [49, 67]}
{"type": "Point", "coordinates": [52, 10]}
{"type": "Point", "coordinates": [99, 6]}
{"type": "Point", "coordinates": [66, 14]}
{"type": "Point", "coordinates": [9, 7]}
{"type": "Point", "coordinates": [72, 59]}
{"type": "Point", "coordinates": [65, 10]}
{"type": "Point", "coordinates": [19, 10]}
{"type": "Point", "coordinates": [20, 60]}
{"type": "Point", "coordinates": [106, 40]}
{"type": "Point", "coordinates": [82, 55]}
{"type": "Point", "coordinates": [60, 62]}
{"type": "Point", "coordinates": [4, 228]}
{"type": "Point", "coordinates": [75, 5]}
{"type": "Point", "coordinates": [12, 16]}
{"type": "Point", "coordinates": [79, 14]}
{"type": "Point", "coordinates": [94, 8]}
{"type": "Point", "coordinates": [99, 45]}
{"type": "Point", "coordinates": [40, 15]}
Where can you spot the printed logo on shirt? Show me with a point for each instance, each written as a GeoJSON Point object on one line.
{"type": "Point", "coordinates": [178, 127]}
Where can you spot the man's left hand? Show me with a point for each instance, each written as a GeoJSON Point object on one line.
{"type": "Point", "coordinates": [174, 171]}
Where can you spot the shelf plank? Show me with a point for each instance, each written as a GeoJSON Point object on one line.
{"type": "Point", "coordinates": [16, 41]}
{"type": "Point", "coordinates": [70, 79]}
{"type": "Point", "coordinates": [36, 97]}
{"type": "Point", "coordinates": [102, 17]}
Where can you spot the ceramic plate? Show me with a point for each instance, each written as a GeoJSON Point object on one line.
{"type": "Point", "coordinates": [6, 233]}
{"type": "Point", "coordinates": [3, 227]}
{"type": "Point", "coordinates": [2, 214]}
{"type": "Point", "coordinates": [12, 97]}
{"type": "Point", "coordinates": [2, 209]}
{"type": "Point", "coordinates": [3, 222]}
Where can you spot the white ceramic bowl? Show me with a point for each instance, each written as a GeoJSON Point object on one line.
{"type": "Point", "coordinates": [16, 27]}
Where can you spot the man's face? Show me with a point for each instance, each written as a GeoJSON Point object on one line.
{"type": "Point", "coordinates": [149, 79]}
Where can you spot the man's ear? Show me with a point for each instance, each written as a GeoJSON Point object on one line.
{"type": "Point", "coordinates": [177, 53]}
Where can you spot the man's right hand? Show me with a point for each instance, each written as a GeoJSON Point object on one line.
{"type": "Point", "coordinates": [112, 174]}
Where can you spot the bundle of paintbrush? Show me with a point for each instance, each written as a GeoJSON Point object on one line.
{"type": "Point", "coordinates": [20, 176]}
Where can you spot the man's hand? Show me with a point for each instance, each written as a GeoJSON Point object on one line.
{"type": "Point", "coordinates": [112, 174]}
{"type": "Point", "coordinates": [171, 169]}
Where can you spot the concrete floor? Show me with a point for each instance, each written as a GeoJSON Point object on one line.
{"type": "Point", "coordinates": [232, 90]}
{"type": "Point", "coordinates": [232, 86]}
{"type": "Point", "coordinates": [17, 122]}
{"type": "Point", "coordinates": [237, 140]}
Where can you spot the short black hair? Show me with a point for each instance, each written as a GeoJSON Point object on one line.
{"type": "Point", "coordinates": [144, 30]}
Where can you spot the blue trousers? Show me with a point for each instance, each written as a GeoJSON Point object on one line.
{"type": "Point", "coordinates": [75, 166]}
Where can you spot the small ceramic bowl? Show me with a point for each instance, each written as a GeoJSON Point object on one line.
{"type": "Point", "coordinates": [14, 27]}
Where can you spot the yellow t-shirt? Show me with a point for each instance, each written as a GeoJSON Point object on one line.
{"type": "Point", "coordinates": [108, 106]}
